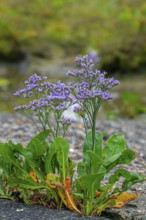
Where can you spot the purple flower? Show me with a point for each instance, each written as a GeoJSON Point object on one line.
{"type": "Point", "coordinates": [22, 107]}
{"type": "Point", "coordinates": [66, 121]}
{"type": "Point", "coordinates": [92, 83]}
{"type": "Point", "coordinates": [33, 84]}
{"type": "Point", "coordinates": [79, 110]}
{"type": "Point", "coordinates": [35, 78]}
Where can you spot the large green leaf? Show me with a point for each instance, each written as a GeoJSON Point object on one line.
{"type": "Point", "coordinates": [15, 147]}
{"type": "Point", "coordinates": [95, 161]}
{"type": "Point", "coordinates": [49, 163]}
{"type": "Point", "coordinates": [88, 142]}
{"type": "Point", "coordinates": [124, 157]}
{"type": "Point", "coordinates": [127, 156]}
{"type": "Point", "coordinates": [98, 143]}
{"type": "Point", "coordinates": [4, 167]}
{"type": "Point", "coordinates": [40, 136]}
{"type": "Point", "coordinates": [90, 183]}
{"type": "Point", "coordinates": [9, 157]}
{"type": "Point", "coordinates": [71, 166]}
{"type": "Point", "coordinates": [97, 149]}
{"type": "Point", "coordinates": [37, 144]}
{"type": "Point", "coordinates": [115, 145]}
{"type": "Point", "coordinates": [82, 169]}
{"type": "Point", "coordinates": [6, 152]}
{"type": "Point", "coordinates": [34, 164]}
{"type": "Point", "coordinates": [111, 159]}
{"type": "Point", "coordinates": [62, 148]}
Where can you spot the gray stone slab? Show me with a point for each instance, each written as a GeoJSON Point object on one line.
{"type": "Point", "coordinates": [10, 210]}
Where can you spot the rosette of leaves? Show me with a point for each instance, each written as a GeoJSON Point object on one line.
{"type": "Point", "coordinates": [46, 168]}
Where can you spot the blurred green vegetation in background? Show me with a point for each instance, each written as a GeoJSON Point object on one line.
{"type": "Point", "coordinates": [116, 29]}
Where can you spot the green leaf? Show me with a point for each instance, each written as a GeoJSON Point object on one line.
{"type": "Point", "coordinates": [88, 148]}
{"type": "Point", "coordinates": [111, 159]}
{"type": "Point", "coordinates": [62, 148]}
{"type": "Point", "coordinates": [21, 181]}
{"type": "Point", "coordinates": [90, 183]}
{"type": "Point", "coordinates": [37, 144]}
{"type": "Point", "coordinates": [34, 165]}
{"type": "Point", "coordinates": [6, 152]}
{"type": "Point", "coordinates": [98, 143]}
{"type": "Point", "coordinates": [127, 156]}
{"type": "Point", "coordinates": [29, 184]}
{"type": "Point", "coordinates": [118, 173]}
{"type": "Point", "coordinates": [87, 143]}
{"type": "Point", "coordinates": [82, 169]}
{"type": "Point", "coordinates": [4, 168]}
{"type": "Point", "coordinates": [104, 197]}
{"type": "Point", "coordinates": [71, 166]}
{"type": "Point", "coordinates": [115, 145]}
{"type": "Point", "coordinates": [124, 157]}
{"type": "Point", "coordinates": [135, 178]}
{"type": "Point", "coordinates": [49, 159]}
{"type": "Point", "coordinates": [41, 136]}
{"type": "Point", "coordinates": [18, 147]}
{"type": "Point", "coordinates": [29, 158]}
{"type": "Point", "coordinates": [96, 161]}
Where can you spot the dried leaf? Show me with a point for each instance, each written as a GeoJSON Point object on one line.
{"type": "Point", "coordinates": [33, 175]}
{"type": "Point", "coordinates": [69, 196]}
{"type": "Point", "coordinates": [124, 198]}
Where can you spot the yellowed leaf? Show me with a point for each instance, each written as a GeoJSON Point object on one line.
{"type": "Point", "coordinates": [123, 198]}
{"type": "Point", "coordinates": [33, 175]}
{"type": "Point", "coordinates": [120, 200]}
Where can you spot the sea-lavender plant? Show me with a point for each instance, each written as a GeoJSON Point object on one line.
{"type": "Point", "coordinates": [44, 168]}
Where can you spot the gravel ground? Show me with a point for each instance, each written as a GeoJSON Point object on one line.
{"type": "Point", "coordinates": [19, 129]}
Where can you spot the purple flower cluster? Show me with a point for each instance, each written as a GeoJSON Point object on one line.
{"type": "Point", "coordinates": [33, 85]}
{"type": "Point", "coordinates": [48, 100]}
{"type": "Point", "coordinates": [47, 95]}
{"type": "Point", "coordinates": [91, 83]}
{"type": "Point", "coordinates": [35, 79]}
{"type": "Point", "coordinates": [66, 121]}
{"type": "Point", "coordinates": [88, 92]}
